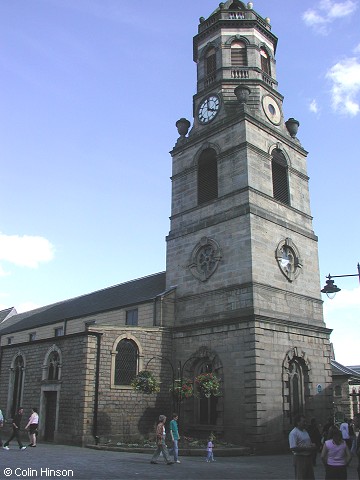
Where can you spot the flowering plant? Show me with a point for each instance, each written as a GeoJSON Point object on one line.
{"type": "Point", "coordinates": [208, 384]}
{"type": "Point", "coordinates": [182, 388]}
{"type": "Point", "coordinates": [145, 382]}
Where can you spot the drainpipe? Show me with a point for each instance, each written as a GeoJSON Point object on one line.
{"type": "Point", "coordinates": [98, 336]}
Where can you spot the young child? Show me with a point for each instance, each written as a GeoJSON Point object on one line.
{"type": "Point", "coordinates": [209, 450]}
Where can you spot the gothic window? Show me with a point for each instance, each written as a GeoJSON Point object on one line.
{"type": "Point", "coordinates": [265, 61]}
{"type": "Point", "coordinates": [18, 383]}
{"type": "Point", "coordinates": [207, 176]}
{"type": "Point", "coordinates": [210, 62]}
{"type": "Point", "coordinates": [279, 172]}
{"type": "Point", "coordinates": [132, 317]}
{"type": "Point", "coordinates": [238, 54]}
{"type": "Point", "coordinates": [53, 371]}
{"type": "Point", "coordinates": [296, 387]}
{"type": "Point", "coordinates": [126, 362]}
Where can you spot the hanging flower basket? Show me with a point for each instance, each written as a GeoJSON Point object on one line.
{"type": "Point", "coordinates": [145, 382]}
{"type": "Point", "coordinates": [208, 385]}
{"type": "Point", "coordinates": [182, 389]}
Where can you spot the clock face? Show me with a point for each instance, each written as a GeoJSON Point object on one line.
{"type": "Point", "coordinates": [208, 109]}
{"type": "Point", "coordinates": [271, 109]}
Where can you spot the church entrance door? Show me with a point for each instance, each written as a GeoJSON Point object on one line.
{"type": "Point", "coordinates": [50, 415]}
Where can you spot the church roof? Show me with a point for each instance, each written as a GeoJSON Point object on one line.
{"type": "Point", "coordinates": [119, 296]}
{"type": "Point", "coordinates": [338, 370]}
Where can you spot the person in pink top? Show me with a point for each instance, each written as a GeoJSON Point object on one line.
{"type": "Point", "coordinates": [335, 456]}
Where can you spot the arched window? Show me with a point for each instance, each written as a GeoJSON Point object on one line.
{"type": "Point", "coordinates": [207, 176]}
{"type": "Point", "coordinates": [296, 388]}
{"type": "Point", "coordinates": [238, 53]}
{"type": "Point", "coordinates": [280, 177]}
{"type": "Point", "coordinates": [53, 366]}
{"type": "Point", "coordinates": [210, 62]}
{"type": "Point", "coordinates": [18, 383]}
{"type": "Point", "coordinates": [265, 61]}
{"type": "Point", "coordinates": [126, 362]}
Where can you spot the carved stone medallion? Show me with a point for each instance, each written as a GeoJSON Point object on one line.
{"type": "Point", "coordinates": [288, 258]}
{"type": "Point", "coordinates": [205, 259]}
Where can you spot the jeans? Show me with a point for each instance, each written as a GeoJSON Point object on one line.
{"type": "Point", "coordinates": [175, 450]}
{"type": "Point", "coordinates": [210, 456]}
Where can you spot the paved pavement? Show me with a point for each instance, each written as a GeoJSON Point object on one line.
{"type": "Point", "coordinates": [87, 464]}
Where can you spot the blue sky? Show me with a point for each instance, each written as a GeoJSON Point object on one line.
{"type": "Point", "coordinates": [90, 92]}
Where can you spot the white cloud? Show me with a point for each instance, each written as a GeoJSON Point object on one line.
{"type": "Point", "coordinates": [328, 11]}
{"type": "Point", "coordinates": [25, 251]}
{"type": "Point", "coordinates": [313, 106]}
{"type": "Point", "coordinates": [3, 273]}
{"type": "Point", "coordinates": [26, 307]}
{"type": "Point", "coordinates": [342, 314]}
{"type": "Point", "coordinates": [345, 89]}
{"type": "Point", "coordinates": [338, 9]}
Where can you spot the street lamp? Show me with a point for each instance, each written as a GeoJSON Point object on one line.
{"type": "Point", "coordinates": [331, 289]}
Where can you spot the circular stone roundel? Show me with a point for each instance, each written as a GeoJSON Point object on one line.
{"type": "Point", "coordinates": [271, 109]}
{"type": "Point", "coordinates": [204, 259]}
{"type": "Point", "coordinates": [289, 261]}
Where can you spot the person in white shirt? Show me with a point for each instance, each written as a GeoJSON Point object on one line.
{"type": "Point", "coordinates": [344, 428]}
{"type": "Point", "coordinates": [32, 425]}
{"type": "Point", "coordinates": [303, 449]}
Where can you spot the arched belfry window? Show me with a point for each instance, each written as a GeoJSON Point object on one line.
{"type": "Point", "coordinates": [279, 170]}
{"type": "Point", "coordinates": [207, 176]}
{"type": "Point", "coordinates": [210, 62]}
{"type": "Point", "coordinates": [126, 362]}
{"type": "Point", "coordinates": [265, 61]}
{"type": "Point", "coordinates": [237, 6]}
{"type": "Point", "coordinates": [17, 379]}
{"type": "Point", "coordinates": [238, 53]}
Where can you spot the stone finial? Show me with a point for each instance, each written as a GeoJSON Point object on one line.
{"type": "Point", "coordinates": [250, 5]}
{"type": "Point", "coordinates": [267, 20]}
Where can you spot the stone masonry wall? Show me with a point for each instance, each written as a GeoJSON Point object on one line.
{"type": "Point", "coordinates": [123, 414]}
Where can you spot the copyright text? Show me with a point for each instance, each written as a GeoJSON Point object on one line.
{"type": "Point", "coordinates": [33, 472]}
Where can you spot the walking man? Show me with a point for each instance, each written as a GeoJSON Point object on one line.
{"type": "Point", "coordinates": [16, 430]}
{"type": "Point", "coordinates": [174, 432]}
{"type": "Point", "coordinates": [357, 425]}
{"type": "Point", "coordinates": [303, 449]}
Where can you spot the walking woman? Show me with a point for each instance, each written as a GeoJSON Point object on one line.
{"type": "Point", "coordinates": [335, 456]}
{"type": "Point", "coordinates": [160, 442]}
{"type": "Point", "coordinates": [32, 425]}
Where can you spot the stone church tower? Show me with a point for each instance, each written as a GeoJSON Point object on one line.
{"type": "Point", "coordinates": [241, 249]}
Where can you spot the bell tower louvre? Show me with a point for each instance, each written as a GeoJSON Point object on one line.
{"type": "Point", "coordinates": [241, 249]}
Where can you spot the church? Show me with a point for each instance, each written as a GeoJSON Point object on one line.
{"type": "Point", "coordinates": [240, 297]}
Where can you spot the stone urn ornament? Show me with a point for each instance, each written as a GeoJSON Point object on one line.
{"type": "Point", "coordinates": [242, 93]}
{"type": "Point", "coordinates": [292, 126]}
{"type": "Point", "coordinates": [183, 126]}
